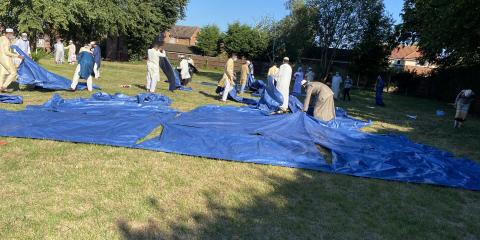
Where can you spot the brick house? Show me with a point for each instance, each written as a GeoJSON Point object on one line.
{"type": "Point", "coordinates": [181, 35]}
{"type": "Point", "coordinates": [407, 58]}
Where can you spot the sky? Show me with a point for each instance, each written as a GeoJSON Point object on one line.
{"type": "Point", "coordinates": [222, 12]}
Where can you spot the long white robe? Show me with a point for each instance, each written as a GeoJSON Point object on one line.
{"type": "Point", "coordinates": [71, 53]}
{"type": "Point", "coordinates": [153, 68]}
{"type": "Point", "coordinates": [59, 52]}
{"type": "Point", "coordinates": [284, 76]}
{"type": "Point", "coordinates": [336, 81]}
{"type": "Point", "coordinates": [184, 69]}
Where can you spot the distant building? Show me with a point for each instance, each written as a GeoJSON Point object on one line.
{"type": "Point", "coordinates": [181, 35]}
{"type": "Point", "coordinates": [407, 58]}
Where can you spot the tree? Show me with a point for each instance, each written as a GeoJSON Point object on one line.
{"type": "Point", "coordinates": [446, 32]}
{"type": "Point", "coordinates": [370, 55]}
{"type": "Point", "coordinates": [140, 21]}
{"type": "Point", "coordinates": [244, 40]}
{"type": "Point", "coordinates": [208, 40]}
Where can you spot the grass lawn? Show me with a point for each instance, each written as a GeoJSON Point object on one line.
{"type": "Point", "coordinates": [57, 190]}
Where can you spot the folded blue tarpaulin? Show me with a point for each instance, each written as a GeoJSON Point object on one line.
{"type": "Point", "coordinates": [242, 134]}
{"type": "Point", "coordinates": [172, 76]}
{"type": "Point", "coordinates": [12, 99]}
{"type": "Point", "coordinates": [32, 74]}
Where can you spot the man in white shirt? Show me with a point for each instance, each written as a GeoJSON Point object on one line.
{"type": "Point", "coordinates": [184, 71]}
{"type": "Point", "coordinates": [153, 67]}
{"type": "Point", "coordinates": [24, 45]}
{"type": "Point", "coordinates": [284, 76]}
{"type": "Point", "coordinates": [336, 81]}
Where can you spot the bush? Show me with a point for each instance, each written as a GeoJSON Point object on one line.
{"type": "Point", "coordinates": [38, 54]}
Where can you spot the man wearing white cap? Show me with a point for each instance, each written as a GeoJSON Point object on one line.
{"type": "Point", "coordinates": [8, 71]}
{"type": "Point", "coordinates": [324, 108]}
{"type": "Point", "coordinates": [184, 71]}
{"type": "Point", "coordinates": [72, 58]}
{"type": "Point", "coordinates": [24, 44]}
{"type": "Point", "coordinates": [284, 76]}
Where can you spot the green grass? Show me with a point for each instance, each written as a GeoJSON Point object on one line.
{"type": "Point", "coordinates": [57, 190]}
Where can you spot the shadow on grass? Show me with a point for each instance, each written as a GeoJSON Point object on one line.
{"type": "Point", "coordinates": [312, 205]}
{"type": "Point", "coordinates": [209, 95]}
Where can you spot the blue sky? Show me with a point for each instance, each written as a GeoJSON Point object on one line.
{"type": "Point", "coordinates": [223, 12]}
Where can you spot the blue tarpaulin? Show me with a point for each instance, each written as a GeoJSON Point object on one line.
{"type": "Point", "coordinates": [242, 134]}
{"type": "Point", "coordinates": [172, 76]}
{"type": "Point", "coordinates": [31, 74]}
{"type": "Point", "coordinates": [12, 99]}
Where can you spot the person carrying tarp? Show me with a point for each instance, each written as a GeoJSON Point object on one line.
{"type": "Point", "coordinates": [272, 71]}
{"type": "Point", "coordinates": [228, 79]}
{"type": "Point", "coordinates": [462, 104]}
{"type": "Point", "coordinates": [8, 71]}
{"type": "Point", "coordinates": [184, 68]}
{"type": "Point", "coordinates": [284, 76]}
{"type": "Point", "coordinates": [324, 108]}
{"type": "Point", "coordinates": [153, 67]}
{"type": "Point", "coordinates": [299, 77]}
{"type": "Point", "coordinates": [379, 85]}
{"type": "Point", "coordinates": [84, 70]}
{"type": "Point", "coordinates": [243, 76]}
{"type": "Point", "coordinates": [24, 45]}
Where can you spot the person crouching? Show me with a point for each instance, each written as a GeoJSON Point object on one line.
{"type": "Point", "coordinates": [324, 108]}
{"type": "Point", "coordinates": [84, 69]}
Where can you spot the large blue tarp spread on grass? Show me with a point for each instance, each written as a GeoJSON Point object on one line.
{"type": "Point", "coordinates": [11, 99]}
{"type": "Point", "coordinates": [31, 74]}
{"type": "Point", "coordinates": [242, 134]}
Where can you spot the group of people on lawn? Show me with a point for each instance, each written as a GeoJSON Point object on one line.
{"type": "Point", "coordinates": [89, 60]}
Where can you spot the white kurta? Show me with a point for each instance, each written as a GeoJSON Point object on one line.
{"type": "Point", "coordinates": [284, 76]}
{"type": "Point", "coordinates": [153, 68]}
{"type": "Point", "coordinates": [71, 53]}
{"type": "Point", "coordinates": [336, 81]}
{"type": "Point", "coordinates": [184, 72]}
{"type": "Point", "coordinates": [59, 52]}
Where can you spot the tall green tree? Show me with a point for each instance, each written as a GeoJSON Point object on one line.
{"type": "Point", "coordinates": [139, 21]}
{"type": "Point", "coordinates": [447, 32]}
{"type": "Point", "coordinates": [208, 40]}
{"type": "Point", "coordinates": [370, 55]}
{"type": "Point", "coordinates": [244, 40]}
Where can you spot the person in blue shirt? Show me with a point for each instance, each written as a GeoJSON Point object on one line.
{"type": "Point", "coordinates": [380, 84]}
{"type": "Point", "coordinates": [97, 54]}
{"type": "Point", "coordinates": [85, 68]}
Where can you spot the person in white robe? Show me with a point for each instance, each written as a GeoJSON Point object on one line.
{"type": "Point", "coordinates": [184, 71]}
{"type": "Point", "coordinates": [299, 77]}
{"type": "Point", "coordinates": [24, 45]}
{"type": "Point", "coordinates": [284, 77]}
{"type": "Point", "coordinates": [72, 57]}
{"type": "Point", "coordinates": [59, 50]}
{"type": "Point", "coordinates": [310, 75]}
{"type": "Point", "coordinates": [153, 67]}
{"type": "Point", "coordinates": [336, 81]}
